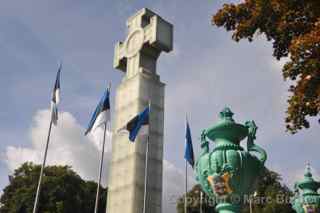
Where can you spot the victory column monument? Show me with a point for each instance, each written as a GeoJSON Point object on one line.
{"type": "Point", "coordinates": [148, 36]}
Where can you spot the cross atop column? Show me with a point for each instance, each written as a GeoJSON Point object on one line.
{"type": "Point", "coordinates": [148, 36]}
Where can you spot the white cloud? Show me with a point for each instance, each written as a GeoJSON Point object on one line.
{"type": "Point", "coordinates": [173, 186]}
{"type": "Point", "coordinates": [69, 146]}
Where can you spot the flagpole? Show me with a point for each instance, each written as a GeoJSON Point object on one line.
{"type": "Point", "coordinates": [35, 206]}
{"type": "Point", "coordinates": [145, 178]}
{"type": "Point", "coordinates": [186, 178]}
{"type": "Point", "coordinates": [185, 198]}
{"type": "Point", "coordinates": [53, 119]}
{"type": "Point", "coordinates": [100, 169]}
{"type": "Point", "coordinates": [96, 206]}
{"type": "Point", "coordinates": [146, 165]}
{"type": "Point", "coordinates": [201, 201]}
{"type": "Point", "coordinates": [110, 137]}
{"type": "Point", "coordinates": [250, 201]}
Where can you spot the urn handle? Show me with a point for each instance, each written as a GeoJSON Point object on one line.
{"type": "Point", "coordinates": [204, 143]}
{"type": "Point", "coordinates": [251, 146]}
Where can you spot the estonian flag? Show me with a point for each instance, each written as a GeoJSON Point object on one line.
{"type": "Point", "coordinates": [139, 125]}
{"type": "Point", "coordinates": [188, 154]}
{"type": "Point", "coordinates": [102, 113]}
{"type": "Point", "coordinates": [55, 98]}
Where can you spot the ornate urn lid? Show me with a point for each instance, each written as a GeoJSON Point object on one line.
{"type": "Point", "coordinates": [308, 185]}
{"type": "Point", "coordinates": [226, 128]}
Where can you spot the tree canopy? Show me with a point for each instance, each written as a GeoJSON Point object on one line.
{"type": "Point", "coordinates": [271, 197]}
{"type": "Point", "coordinates": [293, 26]}
{"type": "Point", "coordinates": [62, 191]}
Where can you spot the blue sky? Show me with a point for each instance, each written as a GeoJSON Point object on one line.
{"type": "Point", "coordinates": [205, 72]}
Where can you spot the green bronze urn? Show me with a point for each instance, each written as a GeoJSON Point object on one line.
{"type": "Point", "coordinates": [228, 172]}
{"type": "Point", "coordinates": [307, 199]}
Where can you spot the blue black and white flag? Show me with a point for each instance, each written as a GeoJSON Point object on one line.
{"type": "Point", "coordinates": [101, 114]}
{"type": "Point", "coordinates": [56, 98]}
{"type": "Point", "coordinates": [139, 125]}
{"type": "Point", "coordinates": [188, 154]}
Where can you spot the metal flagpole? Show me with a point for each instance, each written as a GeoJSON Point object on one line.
{"type": "Point", "coordinates": [186, 178]}
{"type": "Point", "coordinates": [185, 198]}
{"type": "Point", "coordinates": [146, 166]}
{"type": "Point", "coordinates": [250, 201]}
{"type": "Point", "coordinates": [201, 201]}
{"type": "Point", "coordinates": [110, 136]}
{"type": "Point", "coordinates": [35, 206]}
{"type": "Point", "coordinates": [96, 206]}
{"type": "Point", "coordinates": [145, 178]}
{"type": "Point", "coordinates": [100, 170]}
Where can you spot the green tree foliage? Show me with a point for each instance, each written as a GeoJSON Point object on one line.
{"type": "Point", "coordinates": [293, 26]}
{"type": "Point", "coordinates": [271, 197]}
{"type": "Point", "coordinates": [63, 191]}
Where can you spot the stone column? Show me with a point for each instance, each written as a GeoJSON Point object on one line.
{"type": "Point", "coordinates": [148, 36]}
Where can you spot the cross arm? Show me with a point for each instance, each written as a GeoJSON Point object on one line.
{"type": "Point", "coordinates": [119, 60]}
{"type": "Point", "coordinates": [159, 34]}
